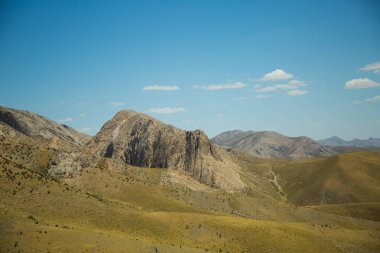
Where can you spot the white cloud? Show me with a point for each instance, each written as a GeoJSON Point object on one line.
{"type": "Point", "coordinates": [297, 92]}
{"type": "Point", "coordinates": [368, 100]}
{"type": "Point", "coordinates": [240, 98]}
{"type": "Point", "coordinates": [82, 114]}
{"type": "Point", "coordinates": [267, 89]}
{"type": "Point", "coordinates": [66, 120]}
{"type": "Point", "coordinates": [373, 99]}
{"type": "Point", "coordinates": [166, 110]}
{"type": "Point", "coordinates": [361, 83]}
{"type": "Point", "coordinates": [84, 129]}
{"type": "Point", "coordinates": [375, 67]}
{"type": "Point", "coordinates": [275, 75]}
{"type": "Point", "coordinates": [116, 104]}
{"type": "Point", "coordinates": [292, 84]}
{"type": "Point", "coordinates": [220, 115]}
{"type": "Point", "coordinates": [261, 96]}
{"type": "Point", "coordinates": [235, 85]}
{"type": "Point", "coordinates": [297, 83]}
{"type": "Point", "coordinates": [161, 87]}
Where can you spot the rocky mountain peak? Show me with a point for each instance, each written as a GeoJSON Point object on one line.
{"type": "Point", "coordinates": [141, 140]}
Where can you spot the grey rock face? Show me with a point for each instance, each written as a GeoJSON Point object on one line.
{"type": "Point", "coordinates": [271, 144]}
{"type": "Point", "coordinates": [140, 140]}
{"type": "Point", "coordinates": [36, 126]}
{"type": "Point", "coordinates": [65, 165]}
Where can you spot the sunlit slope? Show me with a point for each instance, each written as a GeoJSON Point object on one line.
{"type": "Point", "coordinates": [345, 178]}
{"type": "Point", "coordinates": [78, 220]}
{"type": "Point", "coordinates": [21, 151]}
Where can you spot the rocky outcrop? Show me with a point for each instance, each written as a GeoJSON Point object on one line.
{"type": "Point", "coordinates": [65, 165]}
{"type": "Point", "coordinates": [140, 140]}
{"type": "Point", "coordinates": [36, 126]}
{"type": "Point", "coordinates": [272, 145]}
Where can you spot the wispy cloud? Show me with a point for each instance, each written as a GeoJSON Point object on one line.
{"type": "Point", "coordinates": [375, 67]}
{"type": "Point", "coordinates": [162, 87]}
{"type": "Point", "coordinates": [116, 104]}
{"type": "Point", "coordinates": [166, 110]}
{"type": "Point", "coordinates": [368, 100]}
{"type": "Point", "coordinates": [82, 114]}
{"type": "Point", "coordinates": [297, 92]}
{"type": "Point", "coordinates": [261, 96]}
{"type": "Point", "coordinates": [220, 115]}
{"type": "Point", "coordinates": [224, 86]}
{"type": "Point", "coordinates": [66, 120]}
{"type": "Point", "coordinates": [292, 84]}
{"type": "Point", "coordinates": [361, 83]}
{"type": "Point", "coordinates": [84, 129]}
{"type": "Point", "coordinates": [276, 75]}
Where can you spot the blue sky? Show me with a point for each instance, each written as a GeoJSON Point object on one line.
{"type": "Point", "coordinates": [297, 67]}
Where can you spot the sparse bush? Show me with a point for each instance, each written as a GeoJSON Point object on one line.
{"type": "Point", "coordinates": [33, 219]}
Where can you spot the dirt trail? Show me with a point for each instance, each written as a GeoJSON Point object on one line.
{"type": "Point", "coordinates": [273, 179]}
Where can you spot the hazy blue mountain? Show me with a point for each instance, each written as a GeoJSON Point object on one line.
{"type": "Point", "coordinates": [336, 141]}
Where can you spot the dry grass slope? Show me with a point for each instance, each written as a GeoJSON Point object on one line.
{"type": "Point", "coordinates": [345, 178]}
{"type": "Point", "coordinates": [132, 210]}
{"type": "Point", "coordinates": [366, 211]}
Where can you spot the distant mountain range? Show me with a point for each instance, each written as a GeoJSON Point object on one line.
{"type": "Point", "coordinates": [336, 141]}
{"type": "Point", "coordinates": [270, 144]}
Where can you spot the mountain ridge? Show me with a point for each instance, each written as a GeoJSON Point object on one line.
{"type": "Point", "coordinates": [271, 144]}
{"type": "Point", "coordinates": [360, 143]}
{"type": "Point", "coordinates": [37, 126]}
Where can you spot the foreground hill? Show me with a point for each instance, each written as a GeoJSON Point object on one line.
{"type": "Point", "coordinates": [36, 126]}
{"type": "Point", "coordinates": [271, 144]}
{"type": "Point", "coordinates": [137, 139]}
{"type": "Point", "coordinates": [336, 141]}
